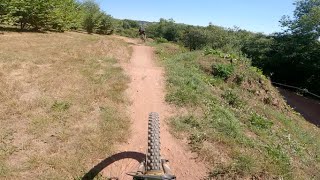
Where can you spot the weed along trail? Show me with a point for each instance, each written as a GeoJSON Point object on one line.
{"type": "Point", "coordinates": [147, 94]}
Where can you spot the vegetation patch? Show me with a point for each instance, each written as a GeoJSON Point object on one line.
{"type": "Point", "coordinates": [232, 98]}
{"type": "Point", "coordinates": [161, 40]}
{"type": "Point", "coordinates": [60, 106]}
{"type": "Point", "coordinates": [260, 122]}
{"type": "Point", "coordinates": [62, 99]}
{"type": "Point", "coordinates": [222, 70]}
{"type": "Point", "coordinates": [229, 111]}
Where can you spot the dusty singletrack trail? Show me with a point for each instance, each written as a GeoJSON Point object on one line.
{"type": "Point", "coordinates": [147, 94]}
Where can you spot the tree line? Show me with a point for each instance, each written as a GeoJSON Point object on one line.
{"type": "Point", "coordinates": [291, 57]}
{"type": "Point", "coordinates": [58, 15]}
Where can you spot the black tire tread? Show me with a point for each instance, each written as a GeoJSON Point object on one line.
{"type": "Point", "coordinates": [153, 154]}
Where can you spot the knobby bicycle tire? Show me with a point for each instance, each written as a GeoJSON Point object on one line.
{"type": "Point", "coordinates": [153, 154]}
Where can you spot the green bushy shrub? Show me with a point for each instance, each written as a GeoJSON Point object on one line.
{"type": "Point", "coordinates": [222, 70]}
{"type": "Point", "coordinates": [161, 40]}
{"type": "Point", "coordinates": [260, 122]}
{"type": "Point", "coordinates": [232, 98]}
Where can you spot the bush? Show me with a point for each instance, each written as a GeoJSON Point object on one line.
{"type": "Point", "coordinates": [244, 164]}
{"type": "Point", "coordinates": [194, 39]}
{"type": "Point", "coordinates": [128, 24]}
{"type": "Point", "coordinates": [210, 51]}
{"type": "Point", "coordinates": [222, 70]}
{"type": "Point", "coordinates": [196, 139]}
{"type": "Point", "coordinates": [232, 98]}
{"type": "Point", "coordinates": [132, 33]}
{"type": "Point", "coordinates": [239, 79]}
{"type": "Point", "coordinates": [104, 25]}
{"type": "Point", "coordinates": [161, 40]}
{"type": "Point", "coordinates": [260, 122]}
{"type": "Point", "coordinates": [91, 17]}
{"type": "Point", "coordinates": [255, 69]}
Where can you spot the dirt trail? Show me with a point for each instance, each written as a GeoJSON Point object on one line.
{"type": "Point", "coordinates": [147, 93]}
{"type": "Point", "coordinates": [309, 108]}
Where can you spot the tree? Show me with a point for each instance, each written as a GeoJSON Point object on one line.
{"type": "Point", "coordinates": [294, 57]}
{"type": "Point", "coordinates": [171, 30]}
{"type": "Point", "coordinates": [167, 29]}
{"type": "Point", "coordinates": [306, 18]}
{"type": "Point", "coordinates": [91, 15]}
{"type": "Point", "coordinates": [58, 15]}
{"type": "Point", "coordinates": [4, 4]}
{"type": "Point", "coordinates": [294, 60]}
{"type": "Point", "coordinates": [127, 24]}
{"type": "Point", "coordinates": [65, 15]}
{"type": "Point", "coordinates": [256, 47]}
{"type": "Point", "coordinates": [104, 24]}
{"type": "Point", "coordinates": [34, 13]}
{"type": "Point", "coordinates": [194, 38]}
{"type": "Point", "coordinates": [41, 14]}
{"type": "Point", "coordinates": [217, 37]}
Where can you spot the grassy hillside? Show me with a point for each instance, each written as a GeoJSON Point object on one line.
{"type": "Point", "coordinates": [235, 119]}
{"type": "Point", "coordinates": [61, 99]}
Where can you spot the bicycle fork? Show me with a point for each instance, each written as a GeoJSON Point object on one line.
{"type": "Point", "coordinates": [166, 170]}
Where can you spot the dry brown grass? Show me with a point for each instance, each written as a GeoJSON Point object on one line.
{"type": "Point", "coordinates": [61, 103]}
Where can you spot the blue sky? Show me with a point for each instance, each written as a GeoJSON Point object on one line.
{"type": "Point", "coordinates": [254, 15]}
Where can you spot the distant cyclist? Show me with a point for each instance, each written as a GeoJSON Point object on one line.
{"type": "Point", "coordinates": [142, 33]}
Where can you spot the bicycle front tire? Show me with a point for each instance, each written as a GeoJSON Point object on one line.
{"type": "Point", "coordinates": [153, 155]}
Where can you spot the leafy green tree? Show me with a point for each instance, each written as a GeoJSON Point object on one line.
{"type": "Point", "coordinates": [34, 13]}
{"type": "Point", "coordinates": [171, 30]}
{"type": "Point", "coordinates": [105, 24]}
{"type": "Point", "coordinates": [91, 15]}
{"type": "Point", "coordinates": [195, 38]}
{"type": "Point", "coordinates": [127, 24]}
{"type": "Point", "coordinates": [306, 18]}
{"type": "Point", "coordinates": [256, 47]}
{"type": "Point", "coordinates": [4, 4]}
{"type": "Point", "coordinates": [41, 14]}
{"type": "Point", "coordinates": [217, 37]}
{"type": "Point", "coordinates": [151, 30]}
{"type": "Point", "coordinates": [167, 29]}
{"type": "Point", "coordinates": [294, 60]}
{"type": "Point", "coordinates": [294, 56]}
{"type": "Point", "coordinates": [65, 15]}
{"type": "Point", "coordinates": [58, 15]}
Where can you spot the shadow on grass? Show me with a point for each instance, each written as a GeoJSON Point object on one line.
{"type": "Point", "coordinates": [44, 31]}
{"type": "Point", "coordinates": [15, 29]}
{"type": "Point", "coordinates": [92, 173]}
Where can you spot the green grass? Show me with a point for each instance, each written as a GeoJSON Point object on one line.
{"type": "Point", "coordinates": [233, 107]}
{"type": "Point", "coordinates": [232, 98]}
{"type": "Point", "coordinates": [60, 106]}
{"type": "Point", "coordinates": [132, 32]}
{"type": "Point", "coordinates": [260, 122]}
{"type": "Point", "coordinates": [222, 70]}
